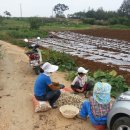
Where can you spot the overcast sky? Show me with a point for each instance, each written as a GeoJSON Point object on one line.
{"type": "Point", "coordinates": [44, 8]}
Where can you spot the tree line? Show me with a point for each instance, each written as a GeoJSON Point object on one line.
{"type": "Point", "coordinates": [123, 11]}
{"type": "Point", "coordinates": [99, 16]}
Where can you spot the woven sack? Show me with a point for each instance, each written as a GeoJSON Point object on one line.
{"type": "Point", "coordinates": [40, 106]}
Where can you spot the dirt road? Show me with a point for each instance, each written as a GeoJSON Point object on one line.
{"type": "Point", "coordinates": [16, 90]}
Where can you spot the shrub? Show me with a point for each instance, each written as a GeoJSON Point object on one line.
{"type": "Point", "coordinates": [101, 22]}
{"type": "Point", "coordinates": [89, 21]}
{"type": "Point", "coordinates": [1, 19]}
{"type": "Point", "coordinates": [113, 21]}
{"type": "Point", "coordinates": [124, 20]}
{"type": "Point", "coordinates": [35, 23]}
{"type": "Point", "coordinates": [117, 81]}
{"type": "Point", "coordinates": [26, 33]}
{"type": "Point", "coordinates": [64, 61]}
{"type": "Point", "coordinates": [70, 75]}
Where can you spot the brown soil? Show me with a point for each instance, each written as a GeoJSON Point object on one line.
{"type": "Point", "coordinates": [16, 91]}
{"type": "Point", "coordinates": [107, 33]}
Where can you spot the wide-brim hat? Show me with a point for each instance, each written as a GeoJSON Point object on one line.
{"type": "Point", "coordinates": [47, 67]}
{"type": "Point", "coordinates": [101, 92]}
{"type": "Point", "coordinates": [82, 70]}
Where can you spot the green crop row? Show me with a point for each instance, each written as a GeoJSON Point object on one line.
{"type": "Point", "coordinates": [63, 60]}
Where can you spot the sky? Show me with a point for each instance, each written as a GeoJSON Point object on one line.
{"type": "Point", "coordinates": [44, 8]}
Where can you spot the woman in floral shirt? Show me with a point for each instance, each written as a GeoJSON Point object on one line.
{"type": "Point", "coordinates": [98, 106]}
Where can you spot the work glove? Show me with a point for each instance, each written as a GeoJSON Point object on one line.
{"type": "Point", "coordinates": [61, 86]}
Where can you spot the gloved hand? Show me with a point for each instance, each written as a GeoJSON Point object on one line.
{"type": "Point", "coordinates": [55, 83]}
{"type": "Point", "coordinates": [61, 86]}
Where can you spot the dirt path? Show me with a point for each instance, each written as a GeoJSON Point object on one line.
{"type": "Point", "coordinates": [16, 89]}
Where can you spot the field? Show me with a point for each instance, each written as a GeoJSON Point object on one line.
{"type": "Point", "coordinates": [17, 77]}
{"type": "Point", "coordinates": [15, 30]}
{"type": "Point", "coordinates": [108, 33]}
{"type": "Point", "coordinates": [104, 49]}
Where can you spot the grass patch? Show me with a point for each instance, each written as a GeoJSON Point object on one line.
{"type": "Point", "coordinates": [120, 27]}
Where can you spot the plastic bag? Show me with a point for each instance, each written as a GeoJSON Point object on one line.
{"type": "Point", "coordinates": [40, 106]}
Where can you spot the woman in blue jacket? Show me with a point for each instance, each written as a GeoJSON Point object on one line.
{"type": "Point", "coordinates": [98, 105]}
{"type": "Point", "coordinates": [44, 90]}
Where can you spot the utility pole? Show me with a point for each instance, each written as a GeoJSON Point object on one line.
{"type": "Point", "coordinates": [21, 10]}
{"type": "Point", "coordinates": [52, 12]}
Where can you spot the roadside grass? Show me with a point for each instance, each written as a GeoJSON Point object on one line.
{"type": "Point", "coordinates": [120, 27]}
{"type": "Point", "coordinates": [15, 30]}
{"type": "Point", "coordinates": [14, 24]}
{"type": "Point", "coordinates": [1, 55]}
{"type": "Point", "coordinates": [61, 27]}
{"type": "Point", "coordinates": [0, 51]}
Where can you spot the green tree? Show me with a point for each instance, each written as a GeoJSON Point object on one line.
{"type": "Point", "coordinates": [91, 14]}
{"type": "Point", "coordinates": [59, 9]}
{"type": "Point", "coordinates": [124, 9]}
{"type": "Point", "coordinates": [7, 14]}
{"type": "Point", "coordinates": [89, 21]}
{"type": "Point", "coordinates": [100, 14]}
{"type": "Point", "coordinates": [77, 15]}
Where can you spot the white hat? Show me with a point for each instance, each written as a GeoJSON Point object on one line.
{"type": "Point", "coordinates": [82, 70]}
{"type": "Point", "coordinates": [25, 40]}
{"type": "Point", "coordinates": [47, 67]}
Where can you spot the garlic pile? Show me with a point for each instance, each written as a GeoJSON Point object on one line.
{"type": "Point", "coordinates": [70, 99]}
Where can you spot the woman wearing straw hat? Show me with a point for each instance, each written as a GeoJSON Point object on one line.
{"type": "Point", "coordinates": [44, 90]}
{"type": "Point", "coordinates": [98, 105]}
